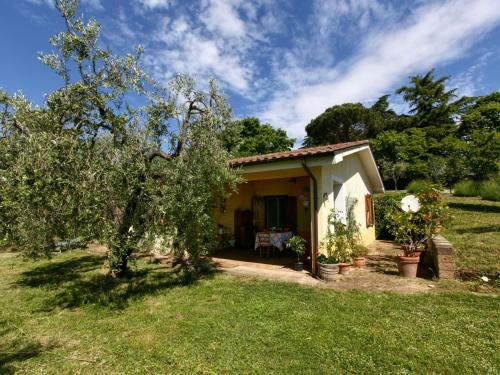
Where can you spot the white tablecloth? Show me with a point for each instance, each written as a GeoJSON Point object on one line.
{"type": "Point", "coordinates": [278, 239]}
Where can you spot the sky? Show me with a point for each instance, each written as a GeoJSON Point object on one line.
{"type": "Point", "coordinates": [282, 61]}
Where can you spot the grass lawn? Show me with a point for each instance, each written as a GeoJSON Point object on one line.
{"type": "Point", "coordinates": [475, 233]}
{"type": "Point", "coordinates": [66, 316]}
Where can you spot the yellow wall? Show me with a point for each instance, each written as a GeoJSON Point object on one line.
{"type": "Point", "coordinates": [277, 182]}
{"type": "Point", "coordinates": [291, 186]}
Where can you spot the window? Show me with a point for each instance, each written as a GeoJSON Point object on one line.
{"type": "Point", "coordinates": [369, 211]}
{"type": "Point", "coordinates": [339, 200]}
{"type": "Point", "coordinates": [276, 208]}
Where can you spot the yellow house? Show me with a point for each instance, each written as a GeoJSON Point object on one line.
{"type": "Point", "coordinates": [296, 190]}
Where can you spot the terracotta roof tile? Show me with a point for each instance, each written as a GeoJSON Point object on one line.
{"type": "Point", "coordinates": [295, 154]}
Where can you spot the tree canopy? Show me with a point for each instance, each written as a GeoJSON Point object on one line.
{"type": "Point", "coordinates": [443, 138]}
{"type": "Point", "coordinates": [249, 136]}
{"type": "Point", "coordinates": [89, 164]}
{"type": "Point", "coordinates": [344, 123]}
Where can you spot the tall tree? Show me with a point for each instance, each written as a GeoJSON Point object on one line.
{"type": "Point", "coordinates": [410, 146]}
{"type": "Point", "coordinates": [429, 100]}
{"type": "Point", "coordinates": [249, 136]}
{"type": "Point", "coordinates": [343, 123]}
{"type": "Point", "coordinates": [483, 114]}
{"type": "Point", "coordinates": [89, 164]}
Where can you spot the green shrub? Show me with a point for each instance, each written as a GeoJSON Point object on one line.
{"type": "Point", "coordinates": [384, 203]}
{"type": "Point", "coordinates": [490, 189]}
{"type": "Point", "coordinates": [466, 188]}
{"type": "Point", "coordinates": [419, 186]}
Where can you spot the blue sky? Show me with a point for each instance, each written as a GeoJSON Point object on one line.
{"type": "Point", "coordinates": [282, 61]}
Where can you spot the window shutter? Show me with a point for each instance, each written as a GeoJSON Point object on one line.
{"type": "Point", "coordinates": [369, 210]}
{"type": "Point", "coordinates": [259, 213]}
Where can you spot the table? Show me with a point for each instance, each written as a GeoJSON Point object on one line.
{"type": "Point", "coordinates": [278, 239]}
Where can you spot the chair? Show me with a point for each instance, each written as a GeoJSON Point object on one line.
{"type": "Point", "coordinates": [265, 242]}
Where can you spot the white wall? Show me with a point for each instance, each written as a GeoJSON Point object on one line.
{"type": "Point", "coordinates": [356, 185]}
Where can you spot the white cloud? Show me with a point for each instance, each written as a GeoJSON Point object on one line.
{"type": "Point", "coordinates": [186, 50]}
{"type": "Point", "coordinates": [154, 4]}
{"type": "Point", "coordinates": [223, 41]}
{"type": "Point", "coordinates": [470, 81]}
{"type": "Point", "coordinates": [222, 16]}
{"type": "Point", "coordinates": [340, 16]}
{"type": "Point", "coordinates": [435, 33]}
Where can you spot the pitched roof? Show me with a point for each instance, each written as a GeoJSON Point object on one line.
{"type": "Point", "coordinates": [295, 154]}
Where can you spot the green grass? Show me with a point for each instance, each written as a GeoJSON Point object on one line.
{"type": "Point", "coordinates": [475, 233]}
{"type": "Point", "coordinates": [66, 316]}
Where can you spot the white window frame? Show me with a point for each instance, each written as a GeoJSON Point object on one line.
{"type": "Point", "coordinates": [339, 202]}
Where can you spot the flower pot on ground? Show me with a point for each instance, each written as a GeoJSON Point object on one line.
{"type": "Point", "coordinates": [299, 266]}
{"type": "Point", "coordinates": [344, 268]}
{"type": "Point", "coordinates": [298, 245]}
{"type": "Point", "coordinates": [340, 242]}
{"type": "Point", "coordinates": [359, 261]}
{"type": "Point", "coordinates": [414, 229]}
{"type": "Point", "coordinates": [408, 266]}
{"type": "Point", "coordinates": [327, 271]}
{"type": "Point", "coordinates": [358, 256]}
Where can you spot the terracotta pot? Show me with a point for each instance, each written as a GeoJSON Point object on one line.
{"type": "Point", "coordinates": [327, 272]}
{"type": "Point", "coordinates": [359, 261]}
{"type": "Point", "coordinates": [344, 268]}
{"type": "Point", "coordinates": [407, 266]}
{"type": "Point", "coordinates": [299, 266]}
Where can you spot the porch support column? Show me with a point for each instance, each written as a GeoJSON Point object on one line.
{"type": "Point", "coordinates": [314, 215]}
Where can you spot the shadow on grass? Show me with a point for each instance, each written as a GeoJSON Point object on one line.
{"type": "Point", "coordinates": [14, 348]}
{"type": "Point", "coordinates": [81, 282]}
{"type": "Point", "coordinates": [479, 230]}
{"type": "Point", "coordinates": [488, 208]}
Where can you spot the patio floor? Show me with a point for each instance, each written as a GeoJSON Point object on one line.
{"type": "Point", "coordinates": [379, 274]}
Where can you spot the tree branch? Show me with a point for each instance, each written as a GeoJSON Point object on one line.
{"type": "Point", "coordinates": [157, 154]}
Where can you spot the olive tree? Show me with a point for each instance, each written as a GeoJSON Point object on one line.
{"type": "Point", "coordinates": [90, 163]}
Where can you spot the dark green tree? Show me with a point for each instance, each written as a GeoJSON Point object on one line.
{"type": "Point", "coordinates": [249, 136]}
{"type": "Point", "coordinates": [344, 123]}
{"type": "Point", "coordinates": [483, 114]}
{"type": "Point", "coordinates": [429, 100]}
{"type": "Point", "coordinates": [410, 146]}
{"type": "Point", "coordinates": [479, 129]}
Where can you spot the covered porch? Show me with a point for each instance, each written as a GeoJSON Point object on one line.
{"type": "Point", "coordinates": [275, 202]}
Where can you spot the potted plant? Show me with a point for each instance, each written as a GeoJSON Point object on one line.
{"type": "Point", "coordinates": [298, 245]}
{"type": "Point", "coordinates": [413, 229]}
{"type": "Point", "coordinates": [339, 244]}
{"type": "Point", "coordinates": [407, 231]}
{"type": "Point", "coordinates": [358, 254]}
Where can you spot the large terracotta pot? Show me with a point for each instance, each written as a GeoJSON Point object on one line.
{"type": "Point", "coordinates": [359, 261]}
{"type": "Point", "coordinates": [344, 268]}
{"type": "Point", "coordinates": [327, 272]}
{"type": "Point", "coordinates": [407, 266]}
